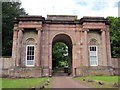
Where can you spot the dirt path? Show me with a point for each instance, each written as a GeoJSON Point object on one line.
{"type": "Point", "coordinates": [65, 82]}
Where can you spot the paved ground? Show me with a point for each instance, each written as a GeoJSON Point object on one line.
{"type": "Point", "coordinates": [66, 82]}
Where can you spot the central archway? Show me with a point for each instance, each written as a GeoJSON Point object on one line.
{"type": "Point", "coordinates": [66, 40]}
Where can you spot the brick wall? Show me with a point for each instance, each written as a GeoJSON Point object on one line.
{"type": "Point", "coordinates": [116, 62]}
{"type": "Point", "coordinates": [6, 62]}
{"type": "Point", "coordinates": [5, 65]}
{"type": "Point", "coordinates": [116, 66]}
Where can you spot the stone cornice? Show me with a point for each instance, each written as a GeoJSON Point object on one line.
{"type": "Point", "coordinates": [29, 18]}
{"type": "Point", "coordinates": [94, 19]}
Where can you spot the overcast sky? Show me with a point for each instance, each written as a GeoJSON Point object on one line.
{"type": "Point", "coordinates": [71, 7]}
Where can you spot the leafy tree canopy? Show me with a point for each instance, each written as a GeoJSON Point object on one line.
{"type": "Point", "coordinates": [60, 55]}
{"type": "Point", "coordinates": [10, 10]}
{"type": "Point", "coordinates": [115, 36]}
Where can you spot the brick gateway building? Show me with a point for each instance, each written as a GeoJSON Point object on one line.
{"type": "Point", "coordinates": [88, 42]}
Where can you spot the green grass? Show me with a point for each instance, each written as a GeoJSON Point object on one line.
{"type": "Point", "coordinates": [23, 83]}
{"type": "Point", "coordinates": [108, 81]}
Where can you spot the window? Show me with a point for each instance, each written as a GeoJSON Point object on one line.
{"type": "Point", "coordinates": [30, 55]}
{"type": "Point", "coordinates": [93, 56]}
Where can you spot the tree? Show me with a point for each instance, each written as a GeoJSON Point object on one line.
{"type": "Point", "coordinates": [10, 10]}
{"type": "Point", "coordinates": [115, 35]}
{"type": "Point", "coordinates": [60, 55]}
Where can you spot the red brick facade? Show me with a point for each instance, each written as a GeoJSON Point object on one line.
{"type": "Point", "coordinates": [77, 34]}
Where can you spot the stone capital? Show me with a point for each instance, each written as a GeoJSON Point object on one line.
{"type": "Point", "coordinates": [37, 29]}
{"type": "Point", "coordinates": [22, 29]}
{"type": "Point", "coordinates": [103, 30]}
{"type": "Point", "coordinates": [15, 25]}
{"type": "Point", "coordinates": [15, 28]}
{"type": "Point", "coordinates": [85, 29]}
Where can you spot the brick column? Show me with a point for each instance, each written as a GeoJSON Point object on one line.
{"type": "Point", "coordinates": [86, 48]}
{"type": "Point", "coordinates": [109, 48]}
{"type": "Point", "coordinates": [50, 59]}
{"type": "Point", "coordinates": [14, 46]}
{"type": "Point", "coordinates": [38, 56]}
{"type": "Point", "coordinates": [19, 49]}
{"type": "Point", "coordinates": [104, 49]}
{"type": "Point", "coordinates": [73, 61]}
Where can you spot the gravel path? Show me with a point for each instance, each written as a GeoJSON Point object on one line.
{"type": "Point", "coordinates": [66, 82]}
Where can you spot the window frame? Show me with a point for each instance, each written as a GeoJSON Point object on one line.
{"type": "Point", "coordinates": [96, 54]}
{"type": "Point", "coordinates": [27, 55]}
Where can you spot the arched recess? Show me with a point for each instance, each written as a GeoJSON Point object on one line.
{"type": "Point", "coordinates": [93, 52]}
{"type": "Point", "coordinates": [30, 47]}
{"type": "Point", "coordinates": [93, 41]}
{"type": "Point", "coordinates": [30, 41]}
{"type": "Point", "coordinates": [67, 40]}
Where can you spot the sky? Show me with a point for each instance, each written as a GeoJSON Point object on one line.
{"type": "Point", "coordinates": [80, 8]}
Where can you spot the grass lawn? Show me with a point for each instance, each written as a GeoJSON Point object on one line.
{"type": "Point", "coordinates": [22, 83]}
{"type": "Point", "coordinates": [107, 80]}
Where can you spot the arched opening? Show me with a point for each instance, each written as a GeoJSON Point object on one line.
{"type": "Point", "coordinates": [64, 66]}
